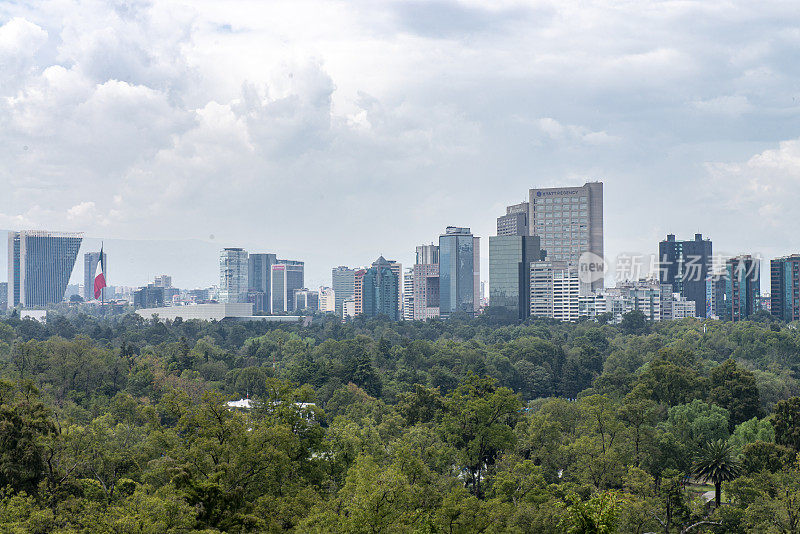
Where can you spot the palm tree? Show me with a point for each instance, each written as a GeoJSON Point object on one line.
{"type": "Point", "coordinates": [715, 463]}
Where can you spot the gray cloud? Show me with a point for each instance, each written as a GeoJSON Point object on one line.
{"type": "Point", "coordinates": [337, 132]}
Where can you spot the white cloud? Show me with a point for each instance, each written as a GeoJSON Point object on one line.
{"type": "Point", "coordinates": [295, 125]}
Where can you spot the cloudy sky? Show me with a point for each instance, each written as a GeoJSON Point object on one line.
{"type": "Point", "coordinates": [337, 131]}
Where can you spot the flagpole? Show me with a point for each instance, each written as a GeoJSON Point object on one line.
{"type": "Point", "coordinates": [103, 270]}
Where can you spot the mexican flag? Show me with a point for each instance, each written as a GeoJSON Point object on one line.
{"type": "Point", "coordinates": [100, 279]}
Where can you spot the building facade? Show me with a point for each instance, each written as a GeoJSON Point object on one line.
{"type": "Point", "coordinates": [408, 295]}
{"type": "Point", "coordinates": [149, 296]}
{"type": "Point", "coordinates": [554, 290]}
{"type": "Point", "coordinates": [379, 286]}
{"type": "Point", "coordinates": [305, 299]}
{"type": "Point", "coordinates": [515, 221]}
{"type": "Point", "coordinates": [327, 300]}
{"type": "Point", "coordinates": [40, 264]}
{"type": "Point", "coordinates": [343, 282]}
{"type": "Point", "coordinates": [685, 265]}
{"type": "Point", "coordinates": [233, 281]}
{"type": "Point", "coordinates": [259, 280]}
{"type": "Point", "coordinates": [569, 221]}
{"type": "Point", "coordinates": [459, 272]}
{"type": "Point", "coordinates": [785, 288]}
{"type": "Point", "coordinates": [742, 287]}
{"type": "Point", "coordinates": [510, 258]}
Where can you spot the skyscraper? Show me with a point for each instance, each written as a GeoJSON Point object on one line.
{"type": "Point", "coordinates": [163, 280]}
{"type": "Point", "coordinates": [685, 265]}
{"type": "Point", "coordinates": [343, 282]}
{"type": "Point", "coordinates": [510, 258]}
{"type": "Point", "coordinates": [327, 300]}
{"type": "Point", "coordinates": [459, 272]}
{"type": "Point", "coordinates": [295, 279]}
{"type": "Point", "coordinates": [233, 275]}
{"type": "Point", "coordinates": [287, 277]}
{"type": "Point", "coordinates": [259, 280]}
{"type": "Point", "coordinates": [742, 287]}
{"type": "Point", "coordinates": [515, 221]}
{"type": "Point", "coordinates": [279, 303]}
{"type": "Point", "coordinates": [569, 221]}
{"type": "Point", "coordinates": [39, 266]}
{"type": "Point", "coordinates": [785, 288]}
{"type": "Point", "coordinates": [380, 290]}
{"type": "Point", "coordinates": [408, 295]}
{"type": "Point", "coordinates": [426, 283]}
{"type": "Point", "coordinates": [90, 261]}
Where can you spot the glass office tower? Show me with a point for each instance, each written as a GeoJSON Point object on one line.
{"type": "Point", "coordinates": [379, 287]}
{"type": "Point", "coordinates": [343, 282]}
{"type": "Point", "coordinates": [233, 275]}
{"type": "Point", "coordinates": [459, 272]}
{"type": "Point", "coordinates": [510, 260]}
{"type": "Point", "coordinates": [259, 279]}
{"type": "Point", "coordinates": [39, 266]}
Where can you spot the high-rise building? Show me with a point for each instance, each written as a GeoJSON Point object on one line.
{"type": "Point", "coordinates": [3, 296]}
{"type": "Point", "coordinates": [149, 296]}
{"type": "Point", "coordinates": [510, 258]}
{"type": "Point", "coordinates": [742, 287]}
{"type": "Point", "coordinates": [305, 299]}
{"type": "Point", "coordinates": [358, 292]}
{"type": "Point", "coordinates": [327, 300]}
{"type": "Point", "coordinates": [163, 280]}
{"type": "Point", "coordinates": [515, 221]}
{"type": "Point", "coordinates": [90, 261]}
{"type": "Point", "coordinates": [343, 283]}
{"type": "Point", "coordinates": [349, 307]}
{"type": "Point", "coordinates": [569, 221]}
{"type": "Point", "coordinates": [379, 289]}
{"type": "Point", "coordinates": [555, 290]}
{"type": "Point", "coordinates": [295, 279]}
{"type": "Point", "coordinates": [408, 295]}
{"type": "Point", "coordinates": [685, 265]}
{"type": "Point", "coordinates": [287, 278]}
{"type": "Point", "coordinates": [785, 288]}
{"type": "Point", "coordinates": [39, 266]}
{"type": "Point", "coordinates": [426, 283]}
{"type": "Point", "coordinates": [459, 272]}
{"type": "Point", "coordinates": [279, 289]}
{"type": "Point", "coordinates": [259, 280]}
{"type": "Point", "coordinates": [233, 275]}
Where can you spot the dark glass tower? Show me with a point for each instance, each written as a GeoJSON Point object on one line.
{"type": "Point", "coordinates": [510, 260]}
{"type": "Point", "coordinates": [686, 265]}
{"type": "Point", "coordinates": [39, 266]}
{"type": "Point", "coordinates": [259, 279]}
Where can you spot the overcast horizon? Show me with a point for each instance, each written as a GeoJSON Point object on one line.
{"type": "Point", "coordinates": [335, 132]}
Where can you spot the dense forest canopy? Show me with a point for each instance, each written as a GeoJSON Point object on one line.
{"type": "Point", "coordinates": [468, 425]}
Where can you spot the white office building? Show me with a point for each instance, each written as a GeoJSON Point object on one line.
{"type": "Point", "coordinates": [233, 280]}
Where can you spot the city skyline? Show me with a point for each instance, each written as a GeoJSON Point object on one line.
{"type": "Point", "coordinates": [394, 142]}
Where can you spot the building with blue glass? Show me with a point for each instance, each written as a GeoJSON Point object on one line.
{"type": "Point", "coordinates": [785, 288]}
{"type": "Point", "coordinates": [380, 288]}
{"type": "Point", "coordinates": [459, 272]}
{"type": "Point", "coordinates": [742, 287]}
{"type": "Point", "coordinates": [259, 280]}
{"type": "Point", "coordinates": [39, 266]}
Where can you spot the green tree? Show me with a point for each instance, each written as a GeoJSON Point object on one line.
{"type": "Point", "coordinates": [787, 423]}
{"type": "Point", "coordinates": [479, 424]}
{"type": "Point", "coordinates": [715, 463]}
{"type": "Point", "coordinates": [734, 388]}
